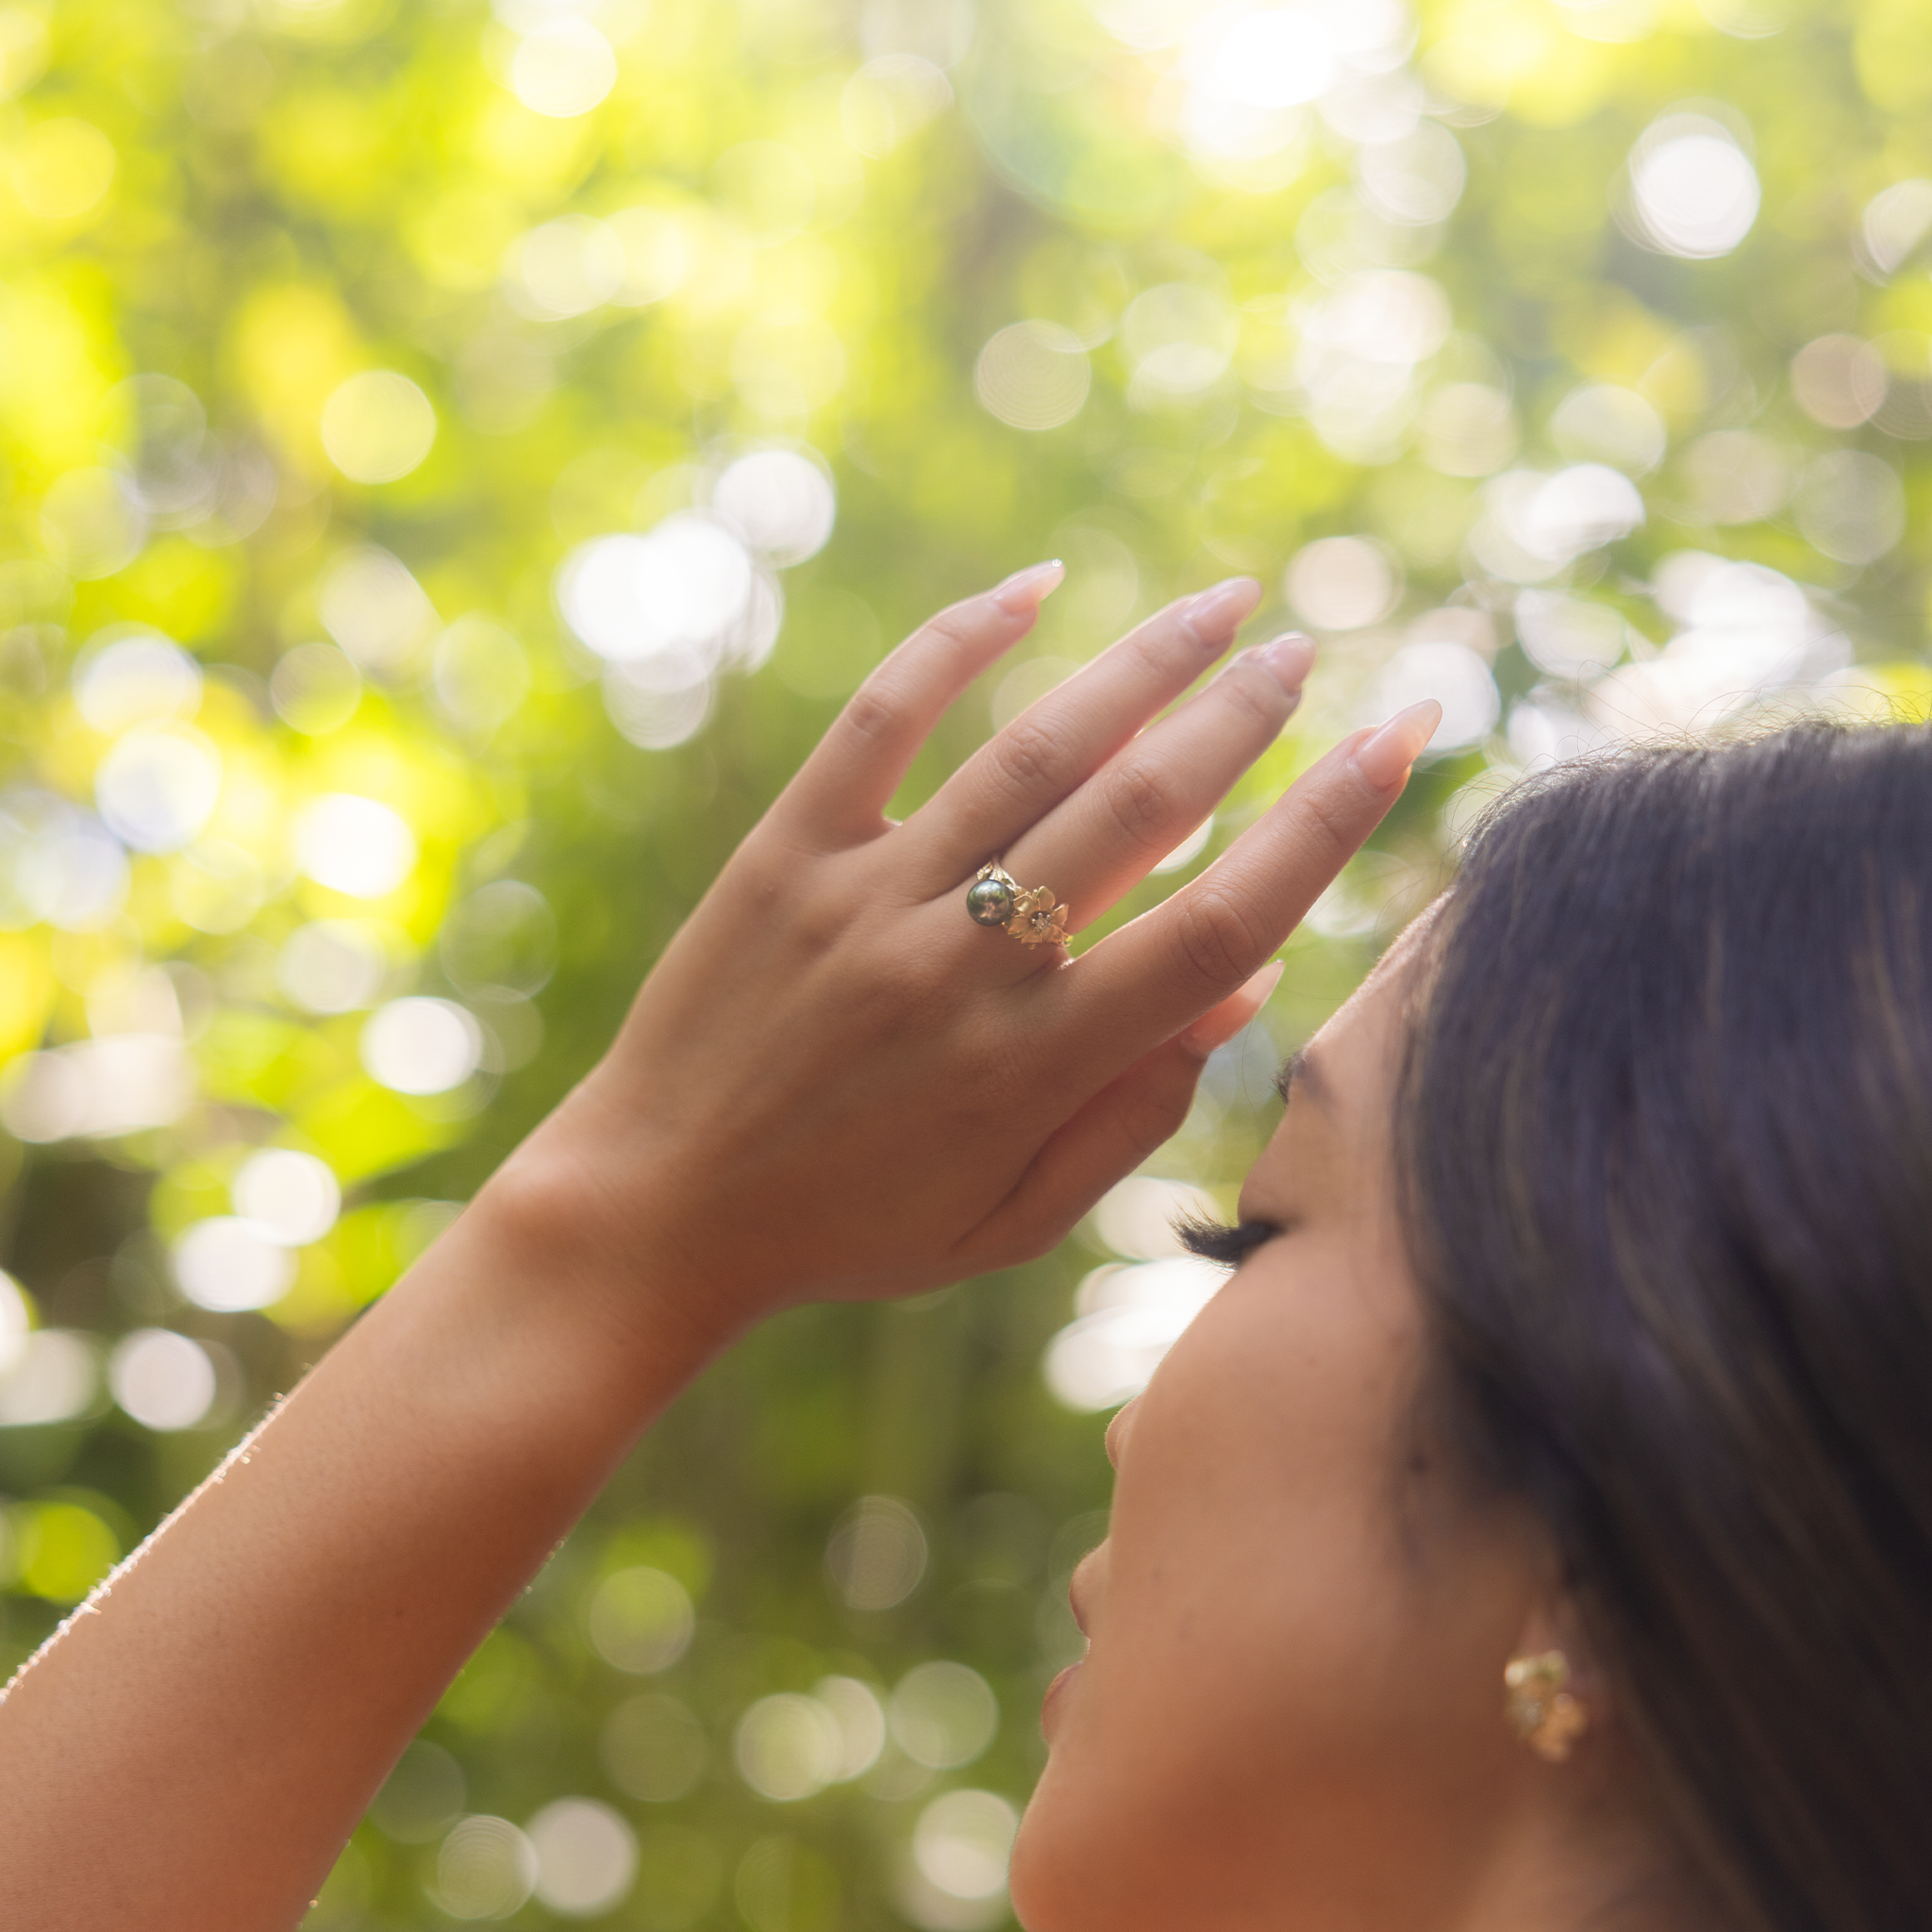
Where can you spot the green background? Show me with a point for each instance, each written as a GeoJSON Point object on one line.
{"type": "Point", "coordinates": [1249, 327]}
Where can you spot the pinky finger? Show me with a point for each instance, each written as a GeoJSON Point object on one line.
{"type": "Point", "coordinates": [843, 788]}
{"type": "Point", "coordinates": [1115, 1131]}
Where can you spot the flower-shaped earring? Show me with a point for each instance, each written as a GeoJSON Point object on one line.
{"type": "Point", "coordinates": [1539, 1706]}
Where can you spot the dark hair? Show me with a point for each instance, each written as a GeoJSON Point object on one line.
{"type": "Point", "coordinates": [1666, 1158]}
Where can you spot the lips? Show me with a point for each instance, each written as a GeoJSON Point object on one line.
{"type": "Point", "coordinates": [1077, 1591]}
{"type": "Point", "coordinates": [1049, 1705]}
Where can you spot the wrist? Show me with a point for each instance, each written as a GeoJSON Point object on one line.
{"type": "Point", "coordinates": [583, 1222]}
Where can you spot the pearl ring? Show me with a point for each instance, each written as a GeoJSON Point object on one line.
{"type": "Point", "coordinates": [1028, 913]}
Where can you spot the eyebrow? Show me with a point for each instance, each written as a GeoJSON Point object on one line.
{"type": "Point", "coordinates": [1299, 1069]}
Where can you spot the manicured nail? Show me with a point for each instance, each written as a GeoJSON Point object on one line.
{"type": "Point", "coordinates": [1218, 1026]}
{"type": "Point", "coordinates": [1384, 758]}
{"type": "Point", "coordinates": [1213, 614]}
{"type": "Point", "coordinates": [1288, 659]}
{"type": "Point", "coordinates": [1025, 592]}
{"type": "Point", "coordinates": [1260, 985]}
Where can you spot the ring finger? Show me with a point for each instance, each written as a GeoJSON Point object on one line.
{"type": "Point", "coordinates": [1052, 747]}
{"type": "Point", "coordinates": [1100, 842]}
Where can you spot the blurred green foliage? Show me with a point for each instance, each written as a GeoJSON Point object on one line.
{"type": "Point", "coordinates": [1570, 361]}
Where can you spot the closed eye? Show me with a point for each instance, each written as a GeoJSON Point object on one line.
{"type": "Point", "coordinates": [1230, 1247]}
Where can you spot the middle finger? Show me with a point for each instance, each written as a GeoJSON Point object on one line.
{"type": "Point", "coordinates": [1018, 777]}
{"type": "Point", "coordinates": [1103, 841]}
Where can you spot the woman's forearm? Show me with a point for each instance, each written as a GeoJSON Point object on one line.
{"type": "Point", "coordinates": [196, 1745]}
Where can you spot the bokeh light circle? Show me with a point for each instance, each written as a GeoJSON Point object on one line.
{"type": "Point", "coordinates": [569, 266]}
{"type": "Point", "coordinates": [640, 1620]}
{"type": "Point", "coordinates": [942, 1714]}
{"type": "Point", "coordinates": [92, 523]}
{"type": "Point", "coordinates": [16, 1320]}
{"type": "Point", "coordinates": [787, 1747]}
{"type": "Point", "coordinates": [485, 1869]}
{"type": "Point", "coordinates": [963, 1843]}
{"type": "Point", "coordinates": [315, 689]}
{"type": "Point", "coordinates": [226, 1264]}
{"type": "Point", "coordinates": [156, 788]}
{"type": "Point", "coordinates": [332, 966]}
{"type": "Point", "coordinates": [134, 677]}
{"type": "Point", "coordinates": [377, 426]}
{"type": "Point", "coordinates": [1033, 375]}
{"type": "Point", "coordinates": [1839, 380]}
{"type": "Point", "coordinates": [687, 586]}
{"type": "Point", "coordinates": [287, 1196]}
{"type": "Point", "coordinates": [1343, 583]}
{"type": "Point", "coordinates": [876, 1554]}
{"type": "Point", "coordinates": [860, 1717]}
{"type": "Point", "coordinates": [1456, 677]}
{"type": "Point", "coordinates": [563, 68]}
{"type": "Point", "coordinates": [164, 1381]}
{"type": "Point", "coordinates": [54, 1377]}
{"type": "Point", "coordinates": [61, 168]}
{"type": "Point", "coordinates": [1695, 190]}
{"type": "Point", "coordinates": [353, 845]}
{"type": "Point", "coordinates": [780, 501]}
{"type": "Point", "coordinates": [1850, 506]}
{"type": "Point", "coordinates": [586, 1857]}
{"type": "Point", "coordinates": [1274, 57]}
{"type": "Point", "coordinates": [654, 1748]}
{"type": "Point", "coordinates": [1604, 423]}
{"type": "Point", "coordinates": [421, 1045]}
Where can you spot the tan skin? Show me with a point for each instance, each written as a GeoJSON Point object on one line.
{"type": "Point", "coordinates": [1290, 1711]}
{"type": "Point", "coordinates": [834, 1085]}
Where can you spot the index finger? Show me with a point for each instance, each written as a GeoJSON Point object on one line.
{"type": "Point", "coordinates": [1166, 969]}
{"type": "Point", "coordinates": [843, 788]}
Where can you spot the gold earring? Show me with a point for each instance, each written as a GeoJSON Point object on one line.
{"type": "Point", "coordinates": [1539, 1707]}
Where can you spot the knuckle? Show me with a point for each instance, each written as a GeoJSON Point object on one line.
{"type": "Point", "coordinates": [1255, 696]}
{"type": "Point", "coordinates": [957, 624]}
{"type": "Point", "coordinates": [1142, 800]}
{"type": "Point", "coordinates": [1166, 647]}
{"type": "Point", "coordinates": [817, 927]}
{"type": "Point", "coordinates": [1329, 827]}
{"type": "Point", "coordinates": [1028, 755]}
{"type": "Point", "coordinates": [1152, 1118]}
{"type": "Point", "coordinates": [874, 712]}
{"type": "Point", "coordinates": [1217, 940]}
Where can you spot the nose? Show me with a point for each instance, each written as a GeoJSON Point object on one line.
{"type": "Point", "coordinates": [1119, 1430]}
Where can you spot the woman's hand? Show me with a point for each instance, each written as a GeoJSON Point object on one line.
{"type": "Point", "coordinates": [835, 1084]}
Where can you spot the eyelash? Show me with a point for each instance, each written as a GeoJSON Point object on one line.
{"type": "Point", "coordinates": [1230, 1247]}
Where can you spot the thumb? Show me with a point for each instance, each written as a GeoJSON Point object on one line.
{"type": "Point", "coordinates": [1219, 1024]}
{"type": "Point", "coordinates": [1118, 1128]}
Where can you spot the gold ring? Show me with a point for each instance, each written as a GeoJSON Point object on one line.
{"type": "Point", "coordinates": [1028, 913]}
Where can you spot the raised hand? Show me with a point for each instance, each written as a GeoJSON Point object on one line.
{"type": "Point", "coordinates": [835, 1083]}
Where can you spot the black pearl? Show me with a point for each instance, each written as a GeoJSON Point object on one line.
{"type": "Point", "coordinates": [989, 901]}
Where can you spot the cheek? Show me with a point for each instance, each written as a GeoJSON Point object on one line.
{"type": "Point", "coordinates": [1269, 1660]}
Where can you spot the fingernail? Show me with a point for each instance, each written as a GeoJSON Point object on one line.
{"type": "Point", "coordinates": [1027, 590]}
{"type": "Point", "coordinates": [1213, 614]}
{"type": "Point", "coordinates": [1384, 758]}
{"type": "Point", "coordinates": [1288, 659]}
{"type": "Point", "coordinates": [1218, 1026]}
{"type": "Point", "coordinates": [1260, 985]}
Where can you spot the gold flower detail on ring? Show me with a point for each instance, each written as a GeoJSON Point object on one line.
{"type": "Point", "coordinates": [1037, 920]}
